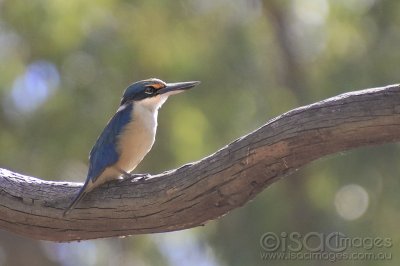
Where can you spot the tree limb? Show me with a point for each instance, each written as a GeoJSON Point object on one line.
{"type": "Point", "coordinates": [205, 190]}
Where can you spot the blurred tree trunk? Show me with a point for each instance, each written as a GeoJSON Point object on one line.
{"type": "Point", "coordinates": [291, 76]}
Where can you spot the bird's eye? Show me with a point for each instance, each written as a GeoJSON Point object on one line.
{"type": "Point", "coordinates": [149, 90]}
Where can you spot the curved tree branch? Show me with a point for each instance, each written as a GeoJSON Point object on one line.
{"type": "Point", "coordinates": [207, 189]}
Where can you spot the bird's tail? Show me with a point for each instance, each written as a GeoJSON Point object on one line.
{"type": "Point", "coordinates": [81, 194]}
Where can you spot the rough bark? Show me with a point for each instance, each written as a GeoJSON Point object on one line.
{"type": "Point", "coordinates": [205, 190]}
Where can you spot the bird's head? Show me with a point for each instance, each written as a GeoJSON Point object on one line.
{"type": "Point", "coordinates": [154, 92]}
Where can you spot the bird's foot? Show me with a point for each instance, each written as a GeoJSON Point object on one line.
{"type": "Point", "coordinates": [134, 177]}
{"type": "Point", "coordinates": [139, 178]}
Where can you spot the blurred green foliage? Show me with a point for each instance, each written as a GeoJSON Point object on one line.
{"type": "Point", "coordinates": [65, 64]}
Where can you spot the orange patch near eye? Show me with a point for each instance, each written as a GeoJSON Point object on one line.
{"type": "Point", "coordinates": [158, 86]}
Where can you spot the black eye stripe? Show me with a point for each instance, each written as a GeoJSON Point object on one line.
{"type": "Point", "coordinates": [150, 90]}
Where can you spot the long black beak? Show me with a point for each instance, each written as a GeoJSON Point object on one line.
{"type": "Point", "coordinates": [179, 86]}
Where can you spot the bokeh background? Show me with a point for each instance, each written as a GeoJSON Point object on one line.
{"type": "Point", "coordinates": [64, 65]}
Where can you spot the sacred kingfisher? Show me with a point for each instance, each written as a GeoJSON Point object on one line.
{"type": "Point", "coordinates": [130, 133]}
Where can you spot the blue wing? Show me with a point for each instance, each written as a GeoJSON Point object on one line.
{"type": "Point", "coordinates": [104, 153]}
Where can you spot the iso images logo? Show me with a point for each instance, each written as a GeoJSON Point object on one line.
{"type": "Point", "coordinates": [332, 247]}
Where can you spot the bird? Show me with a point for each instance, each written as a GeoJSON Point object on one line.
{"type": "Point", "coordinates": [129, 134]}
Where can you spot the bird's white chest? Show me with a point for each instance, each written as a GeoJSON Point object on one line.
{"type": "Point", "coordinates": [138, 137]}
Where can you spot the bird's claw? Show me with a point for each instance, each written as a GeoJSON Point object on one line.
{"type": "Point", "coordinates": [139, 178]}
{"type": "Point", "coordinates": [134, 177]}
